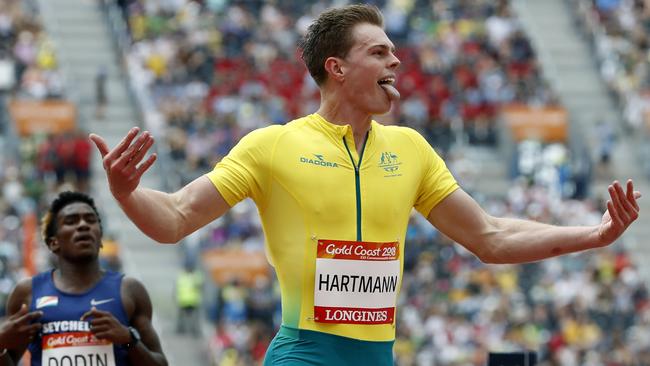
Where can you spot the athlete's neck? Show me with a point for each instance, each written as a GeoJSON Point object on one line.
{"type": "Point", "coordinates": [344, 114]}
{"type": "Point", "coordinates": [75, 277]}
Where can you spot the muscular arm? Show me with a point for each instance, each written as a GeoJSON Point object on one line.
{"type": "Point", "coordinates": [506, 240]}
{"type": "Point", "coordinates": [148, 352]}
{"type": "Point", "coordinates": [167, 218]}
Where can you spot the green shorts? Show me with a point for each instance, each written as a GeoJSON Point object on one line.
{"type": "Point", "coordinates": [297, 347]}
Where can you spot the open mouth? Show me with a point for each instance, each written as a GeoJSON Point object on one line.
{"type": "Point", "coordinates": [387, 84]}
{"type": "Point", "coordinates": [386, 81]}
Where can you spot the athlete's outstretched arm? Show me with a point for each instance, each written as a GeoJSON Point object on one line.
{"type": "Point", "coordinates": [506, 240]}
{"type": "Point", "coordinates": [165, 217]}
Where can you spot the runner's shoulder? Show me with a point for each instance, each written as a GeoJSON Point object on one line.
{"type": "Point", "coordinates": [264, 134]}
{"type": "Point", "coordinates": [270, 134]}
{"type": "Point", "coordinates": [133, 285]}
{"type": "Point", "coordinates": [21, 294]}
{"type": "Point", "coordinates": [393, 132]}
{"type": "Point", "coordinates": [395, 129]}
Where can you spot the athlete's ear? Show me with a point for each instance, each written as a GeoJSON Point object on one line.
{"type": "Point", "coordinates": [335, 69]}
{"type": "Point", "coordinates": [52, 244]}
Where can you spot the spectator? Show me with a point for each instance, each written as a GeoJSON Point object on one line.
{"type": "Point", "coordinates": [189, 289]}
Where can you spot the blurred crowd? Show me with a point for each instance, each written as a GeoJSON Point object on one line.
{"type": "Point", "coordinates": [618, 30]}
{"type": "Point", "coordinates": [28, 62]}
{"type": "Point", "coordinates": [618, 33]}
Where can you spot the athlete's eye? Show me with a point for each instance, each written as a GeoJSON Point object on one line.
{"type": "Point", "coordinates": [91, 219]}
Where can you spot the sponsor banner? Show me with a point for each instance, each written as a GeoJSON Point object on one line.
{"type": "Point", "coordinates": [46, 116]}
{"type": "Point", "coordinates": [323, 314]}
{"type": "Point", "coordinates": [546, 124]}
{"type": "Point", "coordinates": [348, 283]}
{"type": "Point", "coordinates": [72, 339]}
{"type": "Point", "coordinates": [355, 250]}
{"type": "Point", "coordinates": [225, 265]}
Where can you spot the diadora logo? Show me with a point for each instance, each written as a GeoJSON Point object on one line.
{"type": "Point", "coordinates": [390, 163]}
{"type": "Point", "coordinates": [319, 160]}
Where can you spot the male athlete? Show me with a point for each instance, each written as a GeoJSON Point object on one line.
{"type": "Point", "coordinates": [77, 313]}
{"type": "Point", "coordinates": [334, 190]}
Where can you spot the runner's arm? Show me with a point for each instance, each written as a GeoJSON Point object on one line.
{"type": "Point", "coordinates": [507, 240]}
{"type": "Point", "coordinates": [147, 352]}
{"type": "Point", "coordinates": [169, 217]}
{"type": "Point", "coordinates": [165, 217]}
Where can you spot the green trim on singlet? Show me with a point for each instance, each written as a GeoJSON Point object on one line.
{"type": "Point", "coordinates": [357, 181]}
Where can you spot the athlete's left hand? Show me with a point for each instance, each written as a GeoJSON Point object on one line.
{"type": "Point", "coordinates": [105, 326]}
{"type": "Point", "coordinates": [622, 211]}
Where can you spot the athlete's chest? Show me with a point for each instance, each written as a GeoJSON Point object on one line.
{"type": "Point", "coordinates": [58, 307]}
{"type": "Point", "coordinates": [331, 180]}
{"type": "Point", "coordinates": [66, 336]}
{"type": "Point", "coordinates": [62, 311]}
{"type": "Point", "coordinates": [334, 164]}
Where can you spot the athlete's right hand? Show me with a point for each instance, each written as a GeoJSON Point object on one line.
{"type": "Point", "coordinates": [18, 329]}
{"type": "Point", "coordinates": [123, 164]}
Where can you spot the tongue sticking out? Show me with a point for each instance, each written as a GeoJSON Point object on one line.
{"type": "Point", "coordinates": [390, 90]}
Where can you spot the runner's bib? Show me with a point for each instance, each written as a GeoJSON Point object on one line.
{"type": "Point", "coordinates": [356, 282]}
{"type": "Point", "coordinates": [76, 349]}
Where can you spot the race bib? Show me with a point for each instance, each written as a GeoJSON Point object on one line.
{"type": "Point", "coordinates": [356, 282]}
{"type": "Point", "coordinates": [76, 349]}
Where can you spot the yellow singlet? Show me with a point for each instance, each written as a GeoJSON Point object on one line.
{"type": "Point", "coordinates": [334, 220]}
